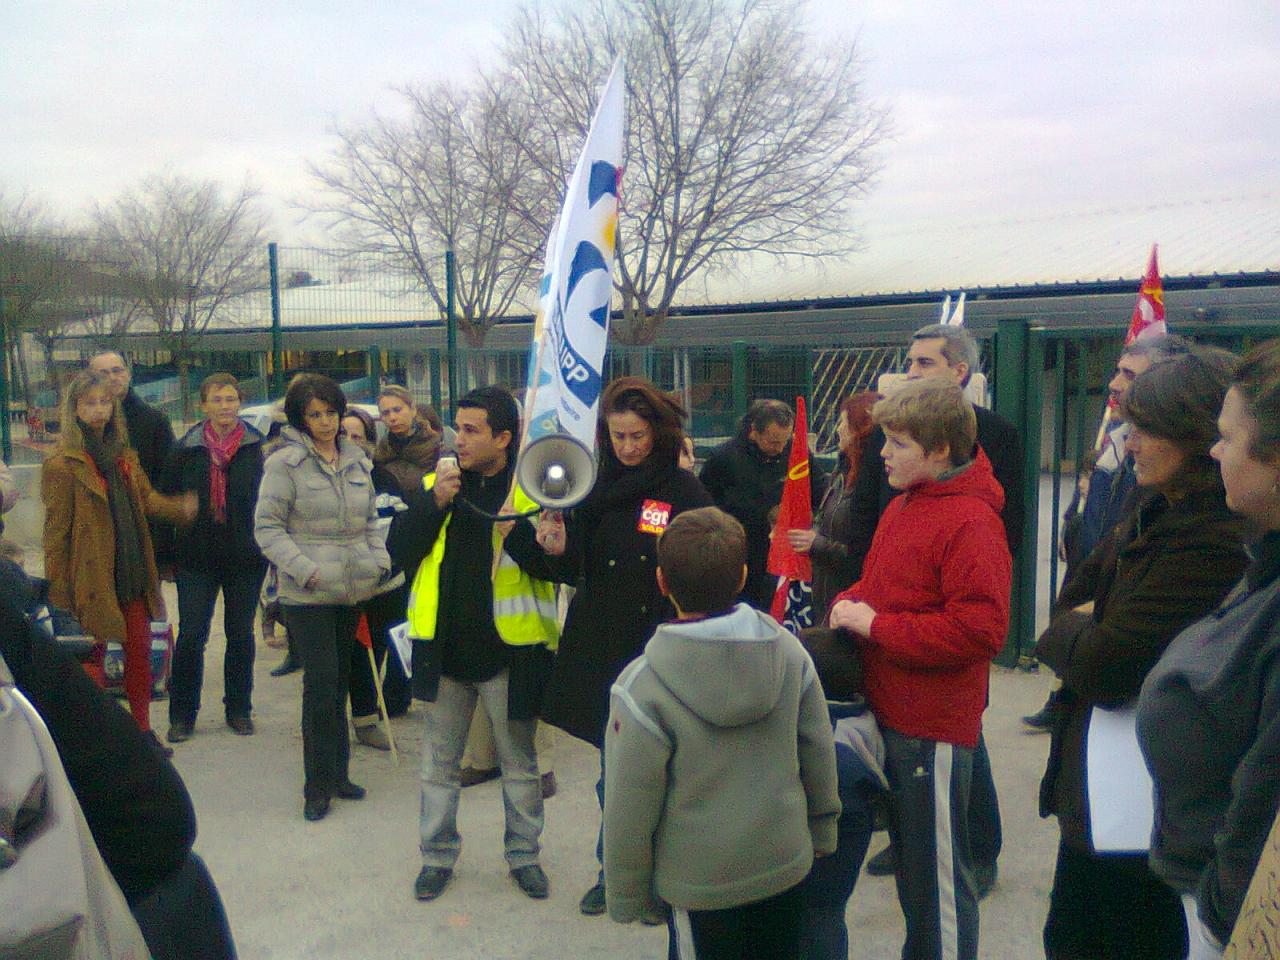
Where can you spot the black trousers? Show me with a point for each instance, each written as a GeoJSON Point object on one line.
{"type": "Point", "coordinates": [1112, 906]}
{"type": "Point", "coordinates": [183, 918]}
{"type": "Point", "coordinates": [383, 612]}
{"type": "Point", "coordinates": [767, 929]}
{"type": "Point", "coordinates": [985, 835]}
{"type": "Point", "coordinates": [324, 636]}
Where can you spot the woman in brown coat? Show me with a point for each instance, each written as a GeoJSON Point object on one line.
{"type": "Point", "coordinates": [97, 547]}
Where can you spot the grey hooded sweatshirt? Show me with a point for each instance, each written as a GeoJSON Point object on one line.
{"type": "Point", "coordinates": [720, 770]}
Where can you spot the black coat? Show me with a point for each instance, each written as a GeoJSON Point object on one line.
{"type": "Point", "coordinates": [205, 545]}
{"type": "Point", "coordinates": [832, 567]}
{"type": "Point", "coordinates": [747, 484]}
{"type": "Point", "coordinates": [151, 435]}
{"type": "Point", "coordinates": [1163, 568]}
{"type": "Point", "coordinates": [872, 493]}
{"type": "Point", "coordinates": [617, 606]}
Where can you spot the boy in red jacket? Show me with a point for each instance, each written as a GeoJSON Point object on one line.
{"type": "Point", "coordinates": [931, 610]}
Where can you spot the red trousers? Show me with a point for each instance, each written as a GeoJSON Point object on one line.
{"type": "Point", "coordinates": [137, 662]}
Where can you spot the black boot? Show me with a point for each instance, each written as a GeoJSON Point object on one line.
{"type": "Point", "coordinates": [291, 661]}
{"type": "Point", "coordinates": [1046, 718]}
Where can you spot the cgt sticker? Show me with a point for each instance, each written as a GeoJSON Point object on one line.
{"type": "Point", "coordinates": [654, 517]}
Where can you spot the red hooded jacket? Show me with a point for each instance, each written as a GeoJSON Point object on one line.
{"type": "Point", "coordinates": [938, 577]}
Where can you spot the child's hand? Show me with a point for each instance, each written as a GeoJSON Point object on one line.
{"type": "Point", "coordinates": [855, 617]}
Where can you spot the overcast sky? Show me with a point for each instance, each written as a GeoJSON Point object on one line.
{"type": "Point", "coordinates": [1002, 110]}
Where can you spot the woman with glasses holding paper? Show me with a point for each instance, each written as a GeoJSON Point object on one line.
{"type": "Point", "coordinates": [1168, 563]}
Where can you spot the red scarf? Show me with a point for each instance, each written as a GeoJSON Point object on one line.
{"type": "Point", "coordinates": [221, 450]}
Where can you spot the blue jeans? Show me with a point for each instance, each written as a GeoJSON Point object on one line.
{"type": "Point", "coordinates": [448, 720]}
{"type": "Point", "coordinates": [827, 889]}
{"type": "Point", "coordinates": [197, 593]}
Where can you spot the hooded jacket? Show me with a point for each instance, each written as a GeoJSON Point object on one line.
{"type": "Point", "coordinates": [316, 519]}
{"type": "Point", "coordinates": [720, 770]}
{"type": "Point", "coordinates": [938, 577]}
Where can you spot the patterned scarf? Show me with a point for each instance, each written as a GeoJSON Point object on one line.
{"type": "Point", "coordinates": [221, 451]}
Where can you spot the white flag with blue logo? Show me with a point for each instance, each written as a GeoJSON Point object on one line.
{"type": "Point", "coordinates": [572, 327]}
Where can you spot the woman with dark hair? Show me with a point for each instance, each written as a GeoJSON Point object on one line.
{"type": "Point", "coordinates": [827, 542]}
{"type": "Point", "coordinates": [1168, 563]}
{"type": "Point", "coordinates": [608, 548]}
{"type": "Point", "coordinates": [220, 461]}
{"type": "Point", "coordinates": [97, 545]}
{"type": "Point", "coordinates": [1209, 713]}
{"type": "Point", "coordinates": [317, 523]}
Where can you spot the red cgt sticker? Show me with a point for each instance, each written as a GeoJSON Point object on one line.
{"type": "Point", "coordinates": [654, 517]}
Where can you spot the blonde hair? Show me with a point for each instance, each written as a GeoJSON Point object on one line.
{"type": "Point", "coordinates": [934, 413]}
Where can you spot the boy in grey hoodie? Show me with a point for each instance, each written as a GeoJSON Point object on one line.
{"type": "Point", "coordinates": [719, 762]}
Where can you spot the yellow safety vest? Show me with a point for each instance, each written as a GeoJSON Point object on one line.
{"type": "Point", "coordinates": [524, 609]}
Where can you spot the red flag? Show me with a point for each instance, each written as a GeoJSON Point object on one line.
{"type": "Point", "coordinates": [1148, 312]}
{"type": "Point", "coordinates": [362, 633]}
{"type": "Point", "coordinates": [795, 512]}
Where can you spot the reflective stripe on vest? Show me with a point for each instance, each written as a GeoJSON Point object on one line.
{"type": "Point", "coordinates": [524, 609]}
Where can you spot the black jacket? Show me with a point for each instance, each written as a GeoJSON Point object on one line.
{"type": "Point", "coordinates": [1164, 567]}
{"type": "Point", "coordinates": [136, 805]}
{"type": "Point", "coordinates": [205, 545]}
{"type": "Point", "coordinates": [152, 437]}
{"type": "Point", "coordinates": [617, 606]}
{"type": "Point", "coordinates": [872, 493]}
{"type": "Point", "coordinates": [832, 566]}
{"type": "Point", "coordinates": [747, 484]}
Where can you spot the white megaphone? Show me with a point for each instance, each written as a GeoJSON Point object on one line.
{"type": "Point", "coordinates": [556, 471]}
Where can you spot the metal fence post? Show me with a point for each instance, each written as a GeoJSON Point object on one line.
{"type": "Point", "coordinates": [277, 344]}
{"type": "Point", "coordinates": [6, 441]}
{"type": "Point", "coordinates": [375, 371]}
{"type": "Point", "coordinates": [451, 331]}
{"type": "Point", "coordinates": [433, 378]}
{"type": "Point", "coordinates": [1017, 392]}
{"type": "Point", "coordinates": [739, 356]}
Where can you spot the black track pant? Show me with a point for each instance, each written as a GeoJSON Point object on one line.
{"type": "Point", "coordinates": [929, 827]}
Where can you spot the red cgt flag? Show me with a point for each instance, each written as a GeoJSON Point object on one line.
{"type": "Point", "coordinates": [795, 512]}
{"type": "Point", "coordinates": [1148, 312]}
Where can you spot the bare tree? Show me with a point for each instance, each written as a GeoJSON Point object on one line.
{"type": "Point", "coordinates": [47, 282]}
{"type": "Point", "coordinates": [189, 253]}
{"type": "Point", "coordinates": [743, 135]}
{"type": "Point", "coordinates": [444, 178]}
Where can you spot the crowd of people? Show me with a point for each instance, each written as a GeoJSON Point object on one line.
{"type": "Point", "coordinates": [743, 767]}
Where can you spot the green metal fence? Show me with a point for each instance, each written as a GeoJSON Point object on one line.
{"type": "Point", "coordinates": [1052, 385]}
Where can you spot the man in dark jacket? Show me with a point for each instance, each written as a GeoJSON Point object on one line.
{"type": "Point", "coordinates": [149, 433]}
{"type": "Point", "coordinates": [745, 476]}
{"type": "Point", "coordinates": [952, 353]}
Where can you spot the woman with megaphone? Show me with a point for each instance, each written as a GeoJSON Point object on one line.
{"type": "Point", "coordinates": [607, 547]}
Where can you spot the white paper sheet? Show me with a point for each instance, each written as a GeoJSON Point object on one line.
{"type": "Point", "coordinates": [1121, 806]}
{"type": "Point", "coordinates": [404, 646]}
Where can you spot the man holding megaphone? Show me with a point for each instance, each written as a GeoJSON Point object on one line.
{"type": "Point", "coordinates": [483, 631]}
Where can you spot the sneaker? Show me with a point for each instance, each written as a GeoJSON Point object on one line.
{"type": "Point", "coordinates": [180, 732]}
{"type": "Point", "coordinates": [592, 903]}
{"type": "Point", "coordinates": [372, 735]}
{"type": "Point", "coordinates": [532, 881]}
{"type": "Point", "coordinates": [883, 864]}
{"type": "Point", "coordinates": [431, 882]}
{"type": "Point", "coordinates": [470, 776]}
{"type": "Point", "coordinates": [243, 726]}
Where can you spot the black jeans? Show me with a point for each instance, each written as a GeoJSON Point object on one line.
{"type": "Point", "coordinates": [197, 593]}
{"type": "Point", "coordinates": [383, 612]}
{"type": "Point", "coordinates": [324, 636]}
{"type": "Point", "coordinates": [183, 918]}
